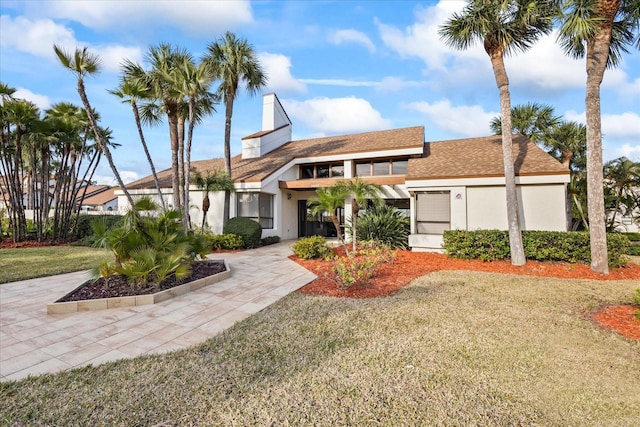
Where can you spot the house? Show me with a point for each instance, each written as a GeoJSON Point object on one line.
{"type": "Point", "coordinates": [100, 201]}
{"type": "Point", "coordinates": [442, 185]}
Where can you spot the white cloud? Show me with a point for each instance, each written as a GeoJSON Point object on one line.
{"type": "Point", "coordinates": [192, 16]}
{"type": "Point", "coordinates": [631, 152]}
{"type": "Point", "coordinates": [34, 37]}
{"type": "Point", "coordinates": [546, 66]}
{"type": "Point", "coordinates": [112, 56]}
{"type": "Point", "coordinates": [280, 79]}
{"type": "Point", "coordinates": [352, 36]}
{"type": "Point", "coordinates": [465, 120]}
{"type": "Point", "coordinates": [618, 126]}
{"type": "Point", "coordinates": [202, 17]}
{"type": "Point", "coordinates": [42, 101]}
{"type": "Point", "coordinates": [422, 39]}
{"type": "Point", "coordinates": [337, 115]}
{"type": "Point", "coordinates": [38, 37]}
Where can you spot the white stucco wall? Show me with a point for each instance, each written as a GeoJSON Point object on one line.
{"type": "Point", "coordinates": [541, 207]}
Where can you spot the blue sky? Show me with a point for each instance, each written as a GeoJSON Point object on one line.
{"type": "Point", "coordinates": [337, 66]}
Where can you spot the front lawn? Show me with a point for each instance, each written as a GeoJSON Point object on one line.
{"type": "Point", "coordinates": [454, 348]}
{"type": "Point", "coordinates": [29, 263]}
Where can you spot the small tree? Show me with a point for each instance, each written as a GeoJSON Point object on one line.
{"type": "Point", "coordinates": [211, 181]}
{"type": "Point", "coordinates": [361, 192]}
{"type": "Point", "coordinates": [330, 200]}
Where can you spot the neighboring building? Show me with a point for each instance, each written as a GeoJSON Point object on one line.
{"type": "Point", "coordinates": [101, 201]}
{"type": "Point", "coordinates": [456, 184]}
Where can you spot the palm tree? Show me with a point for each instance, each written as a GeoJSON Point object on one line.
{"type": "Point", "coordinates": [233, 61]}
{"type": "Point", "coordinates": [194, 81]}
{"type": "Point", "coordinates": [330, 200]}
{"type": "Point", "coordinates": [504, 27]}
{"type": "Point", "coordinates": [532, 120]}
{"type": "Point", "coordinates": [599, 30]}
{"type": "Point", "coordinates": [622, 177]}
{"type": "Point", "coordinates": [83, 63]}
{"type": "Point", "coordinates": [361, 192]}
{"type": "Point", "coordinates": [130, 90]}
{"type": "Point", "coordinates": [216, 181]}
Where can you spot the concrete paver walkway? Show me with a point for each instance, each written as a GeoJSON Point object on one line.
{"type": "Point", "coordinates": [32, 342]}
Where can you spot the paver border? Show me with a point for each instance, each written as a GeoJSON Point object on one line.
{"type": "Point", "coordinates": [132, 301]}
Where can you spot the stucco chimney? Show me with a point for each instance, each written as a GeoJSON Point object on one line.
{"type": "Point", "coordinates": [276, 129]}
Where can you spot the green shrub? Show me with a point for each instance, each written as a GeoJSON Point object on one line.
{"type": "Point", "coordinates": [225, 242]}
{"type": "Point", "coordinates": [384, 224]}
{"type": "Point", "coordinates": [312, 247]}
{"type": "Point", "coordinates": [248, 229]}
{"type": "Point", "coordinates": [633, 250]}
{"type": "Point", "coordinates": [148, 249]}
{"type": "Point", "coordinates": [634, 237]}
{"type": "Point", "coordinates": [574, 247]}
{"type": "Point", "coordinates": [83, 232]}
{"type": "Point", "coordinates": [360, 268]}
{"type": "Point", "coordinates": [270, 240]}
{"type": "Point", "coordinates": [636, 298]}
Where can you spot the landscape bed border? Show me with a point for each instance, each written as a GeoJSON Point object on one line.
{"type": "Point", "coordinates": [136, 300]}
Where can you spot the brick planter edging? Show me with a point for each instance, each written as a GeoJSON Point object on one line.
{"type": "Point", "coordinates": [132, 301]}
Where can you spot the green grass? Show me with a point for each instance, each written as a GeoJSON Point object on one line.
{"type": "Point", "coordinates": [29, 263]}
{"type": "Point", "coordinates": [455, 348]}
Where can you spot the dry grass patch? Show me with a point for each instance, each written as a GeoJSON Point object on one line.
{"type": "Point", "coordinates": [29, 263]}
{"type": "Point", "coordinates": [454, 348]}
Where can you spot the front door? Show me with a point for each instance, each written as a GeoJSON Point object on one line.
{"type": "Point", "coordinates": [310, 225]}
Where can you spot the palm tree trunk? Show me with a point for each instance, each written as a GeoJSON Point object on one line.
{"type": "Point", "coordinates": [597, 54]}
{"type": "Point", "coordinates": [101, 143]}
{"type": "Point", "coordinates": [187, 172]}
{"type": "Point", "coordinates": [227, 154]}
{"type": "Point", "coordinates": [515, 236]}
{"type": "Point", "coordinates": [181, 173]}
{"type": "Point", "coordinates": [175, 178]}
{"type": "Point", "coordinates": [136, 115]}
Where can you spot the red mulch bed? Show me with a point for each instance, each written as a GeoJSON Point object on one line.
{"type": "Point", "coordinates": [10, 244]}
{"type": "Point", "coordinates": [620, 318]}
{"type": "Point", "coordinates": [411, 265]}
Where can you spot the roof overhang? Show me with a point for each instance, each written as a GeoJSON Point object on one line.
{"type": "Point", "coordinates": [312, 184]}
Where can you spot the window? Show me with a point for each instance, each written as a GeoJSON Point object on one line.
{"type": "Point", "coordinates": [325, 170]}
{"type": "Point", "coordinates": [256, 206]}
{"type": "Point", "coordinates": [399, 167]}
{"type": "Point", "coordinates": [382, 167]}
{"type": "Point", "coordinates": [322, 171]}
{"type": "Point", "coordinates": [363, 169]}
{"type": "Point", "coordinates": [433, 212]}
{"type": "Point", "coordinates": [306, 171]}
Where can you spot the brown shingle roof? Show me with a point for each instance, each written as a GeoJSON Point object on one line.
{"type": "Point", "coordinates": [101, 198]}
{"type": "Point", "coordinates": [257, 169]}
{"type": "Point", "coordinates": [481, 157]}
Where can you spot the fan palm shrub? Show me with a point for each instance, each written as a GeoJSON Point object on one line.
{"type": "Point", "coordinates": [148, 248]}
{"type": "Point", "coordinates": [384, 224]}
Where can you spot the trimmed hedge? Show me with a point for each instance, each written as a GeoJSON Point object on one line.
{"type": "Point", "coordinates": [312, 247]}
{"type": "Point", "coordinates": [574, 247]}
{"type": "Point", "coordinates": [270, 240]}
{"type": "Point", "coordinates": [248, 229]}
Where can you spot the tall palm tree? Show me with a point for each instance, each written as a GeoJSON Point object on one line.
{"type": "Point", "coordinates": [83, 63]}
{"type": "Point", "coordinates": [330, 200]}
{"type": "Point", "coordinates": [131, 90]}
{"type": "Point", "coordinates": [194, 81]}
{"type": "Point", "coordinates": [361, 192]}
{"type": "Point", "coordinates": [233, 62]}
{"type": "Point", "coordinates": [503, 27]}
{"type": "Point", "coordinates": [209, 182]}
{"type": "Point", "coordinates": [600, 31]}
